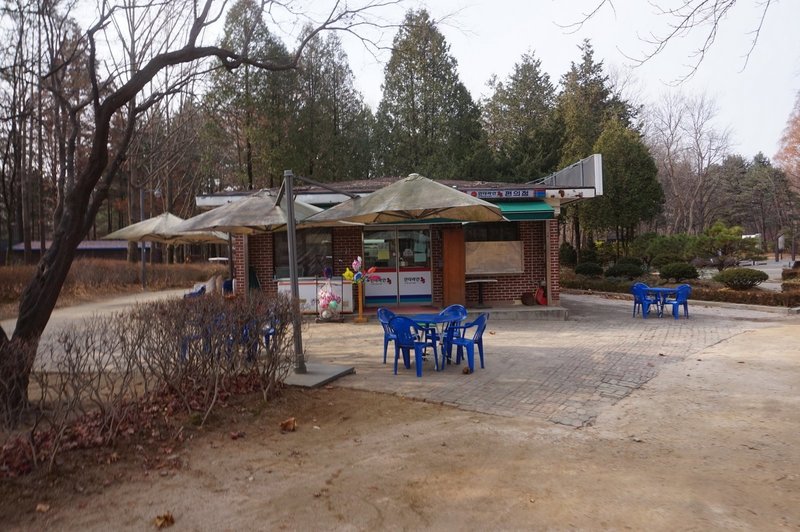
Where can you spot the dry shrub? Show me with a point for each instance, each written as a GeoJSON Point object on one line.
{"type": "Point", "coordinates": [145, 373]}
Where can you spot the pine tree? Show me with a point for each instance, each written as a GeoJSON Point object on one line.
{"type": "Point", "coordinates": [520, 123]}
{"type": "Point", "coordinates": [427, 122]}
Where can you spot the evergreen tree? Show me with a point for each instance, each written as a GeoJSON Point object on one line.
{"type": "Point", "coordinates": [251, 107]}
{"type": "Point", "coordinates": [427, 121]}
{"type": "Point", "coordinates": [331, 136]}
{"type": "Point", "coordinates": [631, 191]}
{"type": "Point", "coordinates": [520, 123]}
{"type": "Point", "coordinates": [584, 105]}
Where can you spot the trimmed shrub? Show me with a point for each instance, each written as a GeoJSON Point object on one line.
{"type": "Point", "coordinates": [631, 260]}
{"type": "Point", "coordinates": [567, 254]}
{"type": "Point", "coordinates": [788, 274]}
{"type": "Point", "coordinates": [589, 269]}
{"type": "Point", "coordinates": [623, 270]}
{"type": "Point", "coordinates": [589, 254]}
{"type": "Point", "coordinates": [678, 271]}
{"type": "Point", "coordinates": [741, 278]}
{"type": "Point", "coordinates": [791, 285]}
{"type": "Point", "coordinates": [662, 260]}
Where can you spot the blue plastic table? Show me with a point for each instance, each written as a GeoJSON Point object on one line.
{"type": "Point", "coordinates": [661, 293]}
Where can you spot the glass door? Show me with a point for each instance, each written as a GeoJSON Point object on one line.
{"type": "Point", "coordinates": [414, 266]}
{"type": "Point", "coordinates": [380, 250]}
{"type": "Point", "coordinates": [402, 266]}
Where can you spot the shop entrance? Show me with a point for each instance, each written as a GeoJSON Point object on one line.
{"type": "Point", "coordinates": [402, 260]}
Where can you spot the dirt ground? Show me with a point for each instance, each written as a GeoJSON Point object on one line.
{"type": "Point", "coordinates": [710, 443]}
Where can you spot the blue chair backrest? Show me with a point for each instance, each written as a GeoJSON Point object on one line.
{"type": "Point", "coordinates": [480, 322]}
{"type": "Point", "coordinates": [684, 291]}
{"type": "Point", "coordinates": [195, 293]}
{"type": "Point", "coordinates": [406, 330]}
{"type": "Point", "coordinates": [460, 309]}
{"type": "Point", "coordinates": [639, 290]}
{"type": "Point", "coordinates": [385, 316]}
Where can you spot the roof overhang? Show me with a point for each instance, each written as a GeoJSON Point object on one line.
{"type": "Point", "coordinates": [519, 211]}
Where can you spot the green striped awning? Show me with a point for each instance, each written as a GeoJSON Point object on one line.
{"type": "Point", "coordinates": [519, 211]}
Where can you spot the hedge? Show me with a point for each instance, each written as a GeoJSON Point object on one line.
{"type": "Point", "coordinates": [624, 270]}
{"type": "Point", "coordinates": [590, 269]}
{"type": "Point", "coordinates": [678, 271]}
{"type": "Point", "coordinates": [754, 296]}
{"type": "Point", "coordinates": [741, 278]}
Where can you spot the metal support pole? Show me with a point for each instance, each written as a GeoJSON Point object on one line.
{"type": "Point", "coordinates": [141, 218]}
{"type": "Point", "coordinates": [291, 237]}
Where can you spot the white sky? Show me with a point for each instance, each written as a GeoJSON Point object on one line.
{"type": "Point", "coordinates": [489, 37]}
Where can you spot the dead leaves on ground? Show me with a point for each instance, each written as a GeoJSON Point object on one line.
{"type": "Point", "coordinates": [288, 425]}
{"type": "Point", "coordinates": [164, 520]}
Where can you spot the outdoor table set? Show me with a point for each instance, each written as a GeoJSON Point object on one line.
{"type": "Point", "coordinates": [438, 331]}
{"type": "Point", "coordinates": [660, 296]}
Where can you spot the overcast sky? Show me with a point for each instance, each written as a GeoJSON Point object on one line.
{"type": "Point", "coordinates": [488, 37]}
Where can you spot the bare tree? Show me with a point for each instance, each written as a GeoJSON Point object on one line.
{"type": "Point", "coordinates": [686, 145]}
{"type": "Point", "coordinates": [126, 50]}
{"type": "Point", "coordinates": [703, 16]}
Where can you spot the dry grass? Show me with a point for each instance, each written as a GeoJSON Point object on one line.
{"type": "Point", "coordinates": [91, 279]}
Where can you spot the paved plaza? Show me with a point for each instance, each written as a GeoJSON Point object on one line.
{"type": "Point", "coordinates": [566, 372]}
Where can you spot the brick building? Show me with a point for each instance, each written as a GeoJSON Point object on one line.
{"type": "Point", "coordinates": [425, 263]}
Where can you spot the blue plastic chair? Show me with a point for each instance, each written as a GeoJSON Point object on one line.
{"type": "Point", "coordinates": [641, 300]}
{"type": "Point", "coordinates": [202, 332]}
{"type": "Point", "coordinates": [384, 317]}
{"type": "Point", "coordinates": [465, 342]}
{"type": "Point", "coordinates": [199, 291]}
{"type": "Point", "coordinates": [227, 286]}
{"type": "Point", "coordinates": [408, 336]}
{"type": "Point", "coordinates": [452, 329]}
{"type": "Point", "coordinates": [681, 299]}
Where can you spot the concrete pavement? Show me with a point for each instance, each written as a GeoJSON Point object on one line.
{"type": "Point", "coordinates": [566, 372]}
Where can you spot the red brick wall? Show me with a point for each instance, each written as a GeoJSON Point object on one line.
{"type": "Point", "coordinates": [555, 267]}
{"type": "Point", "coordinates": [509, 288]}
{"type": "Point", "coordinates": [348, 243]}
{"type": "Point", "coordinates": [260, 257]}
{"type": "Point", "coordinates": [437, 266]}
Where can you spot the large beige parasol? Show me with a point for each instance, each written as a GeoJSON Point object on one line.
{"type": "Point", "coordinates": [164, 228]}
{"type": "Point", "coordinates": [413, 198]}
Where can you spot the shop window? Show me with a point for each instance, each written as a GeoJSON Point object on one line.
{"type": "Point", "coordinates": [491, 232]}
{"type": "Point", "coordinates": [314, 252]}
{"type": "Point", "coordinates": [493, 249]}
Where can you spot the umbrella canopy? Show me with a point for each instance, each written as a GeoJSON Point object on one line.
{"type": "Point", "coordinates": [254, 214]}
{"type": "Point", "coordinates": [163, 228]}
{"type": "Point", "coordinates": [412, 198]}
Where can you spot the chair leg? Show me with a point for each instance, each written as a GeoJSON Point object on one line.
{"type": "Point", "coordinates": [385, 348]}
{"type": "Point", "coordinates": [418, 352]}
{"type": "Point", "coordinates": [471, 356]}
{"type": "Point", "coordinates": [406, 357]}
{"type": "Point", "coordinates": [396, 357]}
{"type": "Point", "coordinates": [480, 351]}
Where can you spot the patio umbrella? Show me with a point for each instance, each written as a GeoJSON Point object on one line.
{"type": "Point", "coordinates": [413, 198]}
{"type": "Point", "coordinates": [254, 214]}
{"type": "Point", "coordinates": [163, 228]}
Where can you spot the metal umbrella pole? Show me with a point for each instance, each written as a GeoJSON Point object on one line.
{"type": "Point", "coordinates": [291, 237]}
